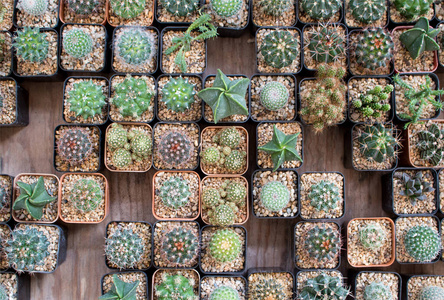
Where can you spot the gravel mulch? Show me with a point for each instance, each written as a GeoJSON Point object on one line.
{"type": "Point", "coordinates": [6, 183]}
{"type": "Point", "coordinates": [284, 280]}
{"type": "Point", "coordinates": [6, 21]}
{"type": "Point", "coordinates": [143, 19]}
{"type": "Point", "coordinates": [8, 113]}
{"type": "Point", "coordinates": [98, 15]}
{"type": "Point", "coordinates": [210, 283]}
{"type": "Point", "coordinates": [261, 18]}
{"type": "Point", "coordinates": [5, 52]}
{"type": "Point", "coordinates": [129, 277]}
{"type": "Point", "coordinates": [439, 10]}
{"type": "Point", "coordinates": [10, 282]}
{"type": "Point", "coordinates": [441, 190]}
{"type": "Point", "coordinates": [49, 18]}
{"type": "Point", "coordinates": [238, 20]}
{"type": "Point", "coordinates": [416, 283]}
{"type": "Point", "coordinates": [5, 234]}
{"type": "Point", "coordinates": [390, 280]}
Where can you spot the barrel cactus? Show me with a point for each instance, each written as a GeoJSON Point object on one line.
{"type": "Point", "coordinates": [224, 292]}
{"type": "Point", "coordinates": [368, 11]}
{"type": "Point", "coordinates": [279, 49]}
{"type": "Point", "coordinates": [135, 46]}
{"type": "Point", "coordinates": [175, 192]}
{"type": "Point", "coordinates": [77, 43]}
{"type": "Point", "coordinates": [225, 245]}
{"type": "Point", "coordinates": [176, 287]}
{"type": "Point", "coordinates": [323, 287]}
{"type": "Point", "coordinates": [121, 158]}
{"type": "Point", "coordinates": [180, 247]}
{"type": "Point", "coordinates": [141, 144]}
{"type": "Point", "coordinates": [326, 43]}
{"type": "Point", "coordinates": [226, 8]}
{"type": "Point", "coordinates": [377, 143]}
{"type": "Point", "coordinates": [377, 290]}
{"type": "Point", "coordinates": [127, 9]}
{"type": "Point", "coordinates": [116, 137]}
{"type": "Point", "coordinates": [83, 7]}
{"type": "Point", "coordinates": [374, 48]}
{"type": "Point", "coordinates": [180, 8]}
{"type": "Point", "coordinates": [274, 196]}
{"type": "Point", "coordinates": [372, 237]}
{"type": "Point", "coordinates": [210, 197]}
{"type": "Point", "coordinates": [124, 248]}
{"type": "Point", "coordinates": [235, 161]}
{"type": "Point", "coordinates": [321, 10]}
{"type": "Point", "coordinates": [432, 293]}
{"type": "Point", "coordinates": [422, 243]}
{"type": "Point", "coordinates": [324, 196]}
{"type": "Point", "coordinates": [132, 97]}
{"type": "Point", "coordinates": [236, 192]}
{"type": "Point", "coordinates": [74, 145]}
{"type": "Point", "coordinates": [86, 195]}
{"type": "Point", "coordinates": [322, 243]}
{"type": "Point", "coordinates": [412, 9]}
{"type": "Point", "coordinates": [33, 7]}
{"type": "Point", "coordinates": [275, 8]}
{"type": "Point", "coordinates": [175, 149]}
{"type": "Point", "coordinates": [31, 45]}
{"type": "Point", "coordinates": [178, 94]}
{"type": "Point", "coordinates": [210, 156]}
{"type": "Point", "coordinates": [222, 215]}
{"type": "Point", "coordinates": [274, 95]}
{"type": "Point", "coordinates": [86, 99]}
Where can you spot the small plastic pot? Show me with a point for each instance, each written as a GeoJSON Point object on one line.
{"type": "Point", "coordinates": [153, 280]}
{"type": "Point", "coordinates": [254, 27]}
{"type": "Point", "coordinates": [275, 270]}
{"type": "Point", "coordinates": [11, 52]}
{"type": "Point", "coordinates": [367, 25]}
{"type": "Point", "coordinates": [10, 200]}
{"type": "Point", "coordinates": [354, 281]}
{"type": "Point", "coordinates": [124, 272]}
{"type": "Point", "coordinates": [15, 13]}
{"type": "Point", "coordinates": [62, 12]}
{"type": "Point", "coordinates": [319, 271]}
{"type": "Point", "coordinates": [392, 9]}
{"type": "Point", "coordinates": [21, 105]}
{"type": "Point", "coordinates": [173, 23]}
{"type": "Point", "coordinates": [233, 32]}
{"type": "Point", "coordinates": [407, 278]}
{"type": "Point", "coordinates": [300, 11]}
{"type": "Point", "coordinates": [23, 286]}
{"type": "Point", "coordinates": [242, 291]}
{"type": "Point", "coordinates": [108, 14]}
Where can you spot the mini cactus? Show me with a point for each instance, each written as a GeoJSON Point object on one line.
{"type": "Point", "coordinates": [269, 288]}
{"type": "Point", "coordinates": [176, 287]}
{"type": "Point", "coordinates": [430, 148]}
{"type": "Point", "coordinates": [412, 9]}
{"type": "Point", "coordinates": [27, 249]}
{"type": "Point", "coordinates": [175, 149]}
{"type": "Point", "coordinates": [324, 196]}
{"type": "Point", "coordinates": [274, 196]}
{"type": "Point", "coordinates": [74, 145]}
{"type": "Point", "coordinates": [372, 237]}
{"type": "Point", "coordinates": [369, 104]}
{"type": "Point", "coordinates": [420, 38]}
{"type": "Point", "coordinates": [225, 245]}
{"type": "Point", "coordinates": [210, 156]}
{"type": "Point", "coordinates": [275, 8]}
{"type": "Point", "coordinates": [141, 144]}
{"type": "Point", "coordinates": [210, 197]}
{"type": "Point", "coordinates": [377, 291]}
{"type": "Point", "coordinates": [374, 48]}
{"type": "Point", "coordinates": [117, 136]}
{"type": "Point", "coordinates": [326, 44]}
{"type": "Point", "coordinates": [422, 243]}
{"type": "Point", "coordinates": [180, 247]}
{"type": "Point", "coordinates": [4, 198]}
{"type": "Point", "coordinates": [228, 137]}
{"type": "Point", "coordinates": [77, 43]}
{"type": "Point", "coordinates": [178, 94]}
{"type": "Point", "coordinates": [132, 97]}
{"type": "Point", "coordinates": [321, 10]}
{"type": "Point", "coordinates": [226, 8]}
{"type": "Point", "coordinates": [223, 215]}
{"type": "Point", "coordinates": [415, 187]}
{"type": "Point", "coordinates": [33, 7]}
{"type": "Point", "coordinates": [4, 295]}
{"type": "Point", "coordinates": [124, 248]}
{"type": "Point", "coordinates": [279, 49]}
{"type": "Point", "coordinates": [274, 96]}
{"type": "Point", "coordinates": [224, 292]}
{"type": "Point", "coordinates": [31, 45]}
{"type": "Point", "coordinates": [121, 290]}
{"type": "Point", "coordinates": [432, 293]}
{"type": "Point", "coordinates": [180, 8]}
{"type": "Point", "coordinates": [236, 192]}
{"type": "Point", "coordinates": [135, 46]}
{"type": "Point", "coordinates": [121, 158]}
{"type": "Point", "coordinates": [368, 11]}
{"type": "Point", "coordinates": [86, 99]}
{"type": "Point", "coordinates": [175, 192]}
{"type": "Point", "coordinates": [86, 195]}
{"type": "Point", "coordinates": [322, 243]}
{"type": "Point", "coordinates": [235, 161]}
{"type": "Point", "coordinates": [83, 7]}
{"type": "Point", "coordinates": [324, 287]}
{"type": "Point", "coordinates": [377, 143]}
{"type": "Point", "coordinates": [127, 9]}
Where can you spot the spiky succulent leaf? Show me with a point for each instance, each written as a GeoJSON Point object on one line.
{"type": "Point", "coordinates": [121, 290]}
{"type": "Point", "coordinates": [420, 38]}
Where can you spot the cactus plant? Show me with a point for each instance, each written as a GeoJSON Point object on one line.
{"type": "Point", "coordinates": [222, 215]}
{"type": "Point", "coordinates": [226, 8]}
{"type": "Point", "coordinates": [282, 148]}
{"type": "Point", "coordinates": [372, 237]}
{"type": "Point", "coordinates": [30, 44]}
{"type": "Point", "coordinates": [210, 197]}
{"type": "Point", "coordinates": [225, 245]}
{"type": "Point", "coordinates": [432, 293]}
{"type": "Point", "coordinates": [175, 149]}
{"type": "Point", "coordinates": [236, 192]}
{"type": "Point", "coordinates": [377, 143]}
{"type": "Point", "coordinates": [422, 243]}
{"type": "Point", "coordinates": [369, 103]}
{"type": "Point", "coordinates": [374, 48]}
{"type": "Point", "coordinates": [224, 292]}
{"type": "Point", "coordinates": [181, 8]}
{"type": "Point", "coordinates": [235, 161]}
{"type": "Point", "coordinates": [367, 11]}
{"type": "Point", "coordinates": [86, 194]}
{"type": "Point", "coordinates": [274, 196]}
{"type": "Point", "coordinates": [27, 249]}
{"type": "Point", "coordinates": [135, 46]}
{"type": "Point", "coordinates": [178, 94]}
{"type": "Point", "coordinates": [420, 38]}
{"type": "Point", "coordinates": [77, 43]}
{"type": "Point", "coordinates": [127, 9]}
{"type": "Point", "coordinates": [121, 158]}
{"type": "Point", "coordinates": [210, 156]}
{"type": "Point", "coordinates": [117, 136]}
{"type": "Point", "coordinates": [141, 144]}
{"type": "Point", "coordinates": [322, 287]}
{"type": "Point", "coordinates": [180, 246]}
{"type": "Point", "coordinates": [228, 137]}
{"type": "Point", "coordinates": [429, 146]}
{"type": "Point", "coordinates": [412, 9]}
{"type": "Point", "coordinates": [414, 187]}
{"type": "Point", "coordinates": [175, 192]}
{"type": "Point", "coordinates": [33, 7]}
{"type": "Point", "coordinates": [4, 198]}
{"type": "Point", "coordinates": [124, 248]}
{"type": "Point", "coordinates": [323, 10]}
{"type": "Point", "coordinates": [121, 290]}
{"type": "Point", "coordinates": [274, 95]}
{"type": "Point", "coordinates": [83, 7]}
{"type": "Point", "coordinates": [33, 198]}
{"type": "Point", "coordinates": [279, 49]}
{"type": "Point", "coordinates": [176, 287]}
{"type": "Point", "coordinates": [322, 243]}
{"type": "Point", "coordinates": [268, 288]}
{"type": "Point", "coordinates": [74, 145]}
{"type": "Point", "coordinates": [377, 290]}
{"type": "Point", "coordinates": [326, 43]}
{"type": "Point", "coordinates": [275, 8]}
{"type": "Point", "coordinates": [86, 99]}
{"type": "Point", "coordinates": [324, 196]}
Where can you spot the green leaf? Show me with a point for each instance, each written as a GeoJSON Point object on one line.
{"type": "Point", "coordinates": [125, 290]}
{"type": "Point", "coordinates": [180, 61]}
{"type": "Point", "coordinates": [239, 87]}
{"type": "Point", "coordinates": [109, 296]}
{"type": "Point", "coordinates": [219, 80]}
{"type": "Point", "coordinates": [24, 187]}
{"type": "Point", "coordinates": [34, 211]}
{"type": "Point", "coordinates": [19, 203]}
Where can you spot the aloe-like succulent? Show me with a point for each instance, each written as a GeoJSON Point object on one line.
{"type": "Point", "coordinates": [420, 38]}
{"type": "Point", "coordinates": [121, 290]}
{"type": "Point", "coordinates": [414, 187]}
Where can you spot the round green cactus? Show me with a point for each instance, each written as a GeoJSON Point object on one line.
{"type": "Point", "coordinates": [326, 44]}
{"type": "Point", "coordinates": [210, 156]}
{"type": "Point", "coordinates": [77, 43]}
{"type": "Point", "coordinates": [412, 9]}
{"type": "Point", "coordinates": [279, 49]}
{"type": "Point", "coordinates": [377, 291]}
{"type": "Point", "coordinates": [132, 97]}
{"type": "Point", "coordinates": [321, 10]}
{"type": "Point", "coordinates": [30, 44]}
{"type": "Point", "coordinates": [224, 293]}
{"type": "Point", "coordinates": [223, 215]}
{"type": "Point", "coordinates": [178, 94]}
{"type": "Point", "coordinates": [124, 248]}
{"type": "Point", "coordinates": [141, 144]}
{"type": "Point", "coordinates": [372, 236]}
{"type": "Point", "coordinates": [176, 287]}
{"type": "Point", "coordinates": [175, 149]}
{"type": "Point", "coordinates": [175, 192]}
{"type": "Point", "coordinates": [228, 137]}
{"type": "Point", "coordinates": [135, 45]}
{"type": "Point", "coordinates": [374, 48]}
{"type": "Point", "coordinates": [235, 161]}
{"type": "Point", "coordinates": [33, 7]}
{"type": "Point", "coordinates": [275, 8]}
{"type": "Point", "coordinates": [268, 288]}
{"type": "Point", "coordinates": [180, 8]}
{"type": "Point", "coordinates": [127, 9]}
{"type": "Point", "coordinates": [180, 246]}
{"type": "Point", "coordinates": [236, 192]}
{"type": "Point", "coordinates": [210, 197]}
{"type": "Point", "coordinates": [422, 243]}
{"type": "Point", "coordinates": [121, 158]}
{"type": "Point", "coordinates": [274, 196]}
{"type": "Point", "coordinates": [225, 245]}
{"type": "Point", "coordinates": [117, 136]}
{"type": "Point", "coordinates": [322, 243]}
{"type": "Point", "coordinates": [86, 194]}
{"type": "Point", "coordinates": [274, 96]}
{"type": "Point", "coordinates": [226, 8]}
{"type": "Point", "coordinates": [324, 196]}
{"type": "Point", "coordinates": [368, 11]}
{"type": "Point", "coordinates": [83, 7]}
{"type": "Point", "coordinates": [432, 293]}
{"type": "Point", "coordinates": [74, 145]}
{"type": "Point", "coordinates": [86, 99]}
{"type": "Point", "coordinates": [324, 287]}
{"type": "Point", "coordinates": [377, 143]}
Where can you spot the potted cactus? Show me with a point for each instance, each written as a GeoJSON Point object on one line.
{"type": "Point", "coordinates": [128, 245]}
{"type": "Point", "coordinates": [223, 288]}
{"type": "Point", "coordinates": [13, 286]}
{"type": "Point", "coordinates": [224, 150]}
{"type": "Point", "coordinates": [439, 37]}
{"type": "Point", "coordinates": [5, 53]}
{"type": "Point", "coordinates": [176, 146]}
{"type": "Point", "coordinates": [321, 284]}
{"type": "Point", "coordinates": [5, 234]}
{"type": "Point", "coordinates": [359, 14]}
{"type": "Point", "coordinates": [271, 13]}
{"type": "Point", "coordinates": [85, 100]}
{"type": "Point", "coordinates": [176, 244]}
{"type": "Point", "coordinates": [325, 44]}
{"type": "Point", "coordinates": [84, 198]}
{"type": "Point", "coordinates": [168, 284]}
{"type": "Point", "coordinates": [6, 12]}
{"type": "Point", "coordinates": [231, 17]}
{"type": "Point", "coordinates": [6, 192]}
{"type": "Point", "coordinates": [285, 56]}
{"type": "Point", "coordinates": [135, 49]}
{"type": "Point", "coordinates": [273, 97]}
{"type": "Point", "coordinates": [273, 284]}
{"type": "Point", "coordinates": [176, 195]}
{"type": "Point", "coordinates": [128, 147]}
{"type": "Point", "coordinates": [13, 103]}
{"type": "Point", "coordinates": [77, 148]}
{"type": "Point", "coordinates": [83, 47]}
{"type": "Point", "coordinates": [322, 195]}
{"type": "Point", "coordinates": [370, 242]}
{"type": "Point", "coordinates": [35, 198]}
{"type": "Point", "coordinates": [80, 11]}
{"type": "Point", "coordinates": [418, 240]}
{"type": "Point", "coordinates": [441, 191]}
{"type": "Point", "coordinates": [121, 285]}
{"type": "Point", "coordinates": [326, 92]}
{"type": "Point", "coordinates": [224, 200]}
{"type": "Point", "coordinates": [177, 98]}
{"type": "Point", "coordinates": [168, 12]}
{"type": "Point", "coordinates": [36, 13]}
{"type": "Point", "coordinates": [370, 100]}
{"type": "Point", "coordinates": [224, 250]}
{"type": "Point", "coordinates": [371, 52]}
{"type": "Point", "coordinates": [405, 11]}
{"type": "Point", "coordinates": [317, 245]}
{"type": "Point", "coordinates": [377, 285]}
{"type": "Point", "coordinates": [139, 12]}
{"type": "Point", "coordinates": [311, 12]}
{"type": "Point", "coordinates": [427, 287]}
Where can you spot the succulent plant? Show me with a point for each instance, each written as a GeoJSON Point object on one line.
{"type": "Point", "coordinates": [414, 187]}
{"type": "Point", "coordinates": [175, 149]}
{"type": "Point", "coordinates": [228, 137]}
{"type": "Point", "coordinates": [429, 146]}
{"type": "Point", "coordinates": [121, 290]}
{"type": "Point", "coordinates": [180, 8]}
{"type": "Point", "coordinates": [127, 9]}
{"type": "Point", "coordinates": [135, 46]}
{"type": "Point", "coordinates": [225, 245]}
{"type": "Point", "coordinates": [176, 287]}
{"type": "Point", "coordinates": [322, 287]}
{"type": "Point", "coordinates": [178, 94]}
{"type": "Point", "coordinates": [268, 288]}
{"type": "Point", "coordinates": [420, 38]}
{"type": "Point", "coordinates": [372, 237]}
{"type": "Point", "coordinates": [377, 291]}
{"type": "Point", "coordinates": [326, 43]}
{"type": "Point", "coordinates": [412, 9]}
{"type": "Point", "coordinates": [322, 243]}
{"type": "Point", "coordinates": [27, 249]}
{"type": "Point", "coordinates": [279, 49]}
{"type": "Point", "coordinates": [274, 196]}
{"type": "Point", "coordinates": [323, 10]}
{"type": "Point", "coordinates": [432, 293]}
{"type": "Point", "coordinates": [121, 158]}
{"type": "Point", "coordinates": [222, 215]}
{"type": "Point", "coordinates": [422, 243]}
{"type": "Point", "coordinates": [33, 198]}
{"type": "Point", "coordinates": [274, 95]}
{"type": "Point", "coordinates": [182, 44]}
{"type": "Point", "coordinates": [325, 102]}
{"type": "Point", "coordinates": [374, 48]}
{"type": "Point", "coordinates": [210, 197]}
{"type": "Point", "coordinates": [226, 97]}
{"type": "Point", "coordinates": [210, 156]}
{"type": "Point", "coordinates": [236, 192]}
{"type": "Point", "coordinates": [224, 292]}
{"type": "Point", "coordinates": [141, 144]}
{"type": "Point", "coordinates": [282, 148]}
{"type": "Point", "coordinates": [86, 194]}
{"type": "Point", "coordinates": [369, 103]}
{"type": "Point", "coordinates": [74, 145]}
{"type": "Point", "coordinates": [30, 44]}
{"type": "Point", "coordinates": [86, 99]}
{"type": "Point", "coordinates": [235, 161]}
{"type": "Point", "coordinates": [117, 136]}
{"type": "Point", "coordinates": [180, 246]}
{"type": "Point", "coordinates": [83, 7]}
{"type": "Point", "coordinates": [124, 248]}
{"type": "Point", "coordinates": [77, 43]}
{"type": "Point", "coordinates": [275, 8]}
{"type": "Point", "coordinates": [368, 11]}
{"type": "Point", "coordinates": [377, 142]}
{"type": "Point", "coordinates": [175, 192]}
{"type": "Point", "coordinates": [324, 196]}
{"type": "Point", "coordinates": [4, 198]}
{"type": "Point", "coordinates": [226, 8]}
{"type": "Point", "coordinates": [33, 7]}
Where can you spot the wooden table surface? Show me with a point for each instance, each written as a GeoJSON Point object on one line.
{"type": "Point", "coordinates": [30, 149]}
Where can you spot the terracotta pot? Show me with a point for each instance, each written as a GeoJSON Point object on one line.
{"type": "Point", "coordinates": [107, 204]}
{"type": "Point", "coordinates": [107, 14]}
{"type": "Point", "coordinates": [160, 270]}
{"type": "Point", "coordinates": [62, 13]}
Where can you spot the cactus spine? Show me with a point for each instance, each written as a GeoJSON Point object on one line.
{"type": "Point", "coordinates": [377, 143]}
{"type": "Point", "coordinates": [176, 287]}
{"type": "Point", "coordinates": [322, 243]}
{"type": "Point", "coordinates": [33, 7]}
{"type": "Point", "coordinates": [30, 44]}
{"type": "Point", "coordinates": [86, 99]}
{"type": "Point", "coordinates": [274, 196]}
{"type": "Point", "coordinates": [135, 46]}
{"type": "Point", "coordinates": [279, 49]}
{"type": "Point", "coordinates": [372, 237]}
{"type": "Point", "coordinates": [326, 44]}
{"type": "Point", "coordinates": [274, 96]}
{"type": "Point", "coordinates": [77, 43]}
{"type": "Point", "coordinates": [377, 290]}
{"type": "Point", "coordinates": [132, 97]}
{"type": "Point", "coordinates": [74, 145]}
{"type": "Point", "coordinates": [368, 11]}
{"type": "Point", "coordinates": [178, 94]}
{"type": "Point", "coordinates": [275, 8]}
{"type": "Point", "coordinates": [226, 8]}
{"type": "Point", "coordinates": [374, 48]}
{"type": "Point", "coordinates": [324, 196]}
{"type": "Point", "coordinates": [175, 149]}
{"type": "Point", "coordinates": [180, 247]}
{"type": "Point", "coordinates": [180, 8]}
{"type": "Point", "coordinates": [124, 248]}
{"type": "Point", "coordinates": [321, 10]}
{"type": "Point", "coordinates": [225, 245]}
{"type": "Point", "coordinates": [224, 293]}
{"type": "Point", "coordinates": [432, 293]}
{"type": "Point", "coordinates": [83, 7]}
{"type": "Point", "coordinates": [86, 194]}
{"type": "Point", "coordinates": [324, 287]}
{"type": "Point", "coordinates": [369, 104]}
{"type": "Point", "coordinates": [127, 9]}
{"type": "Point", "coordinates": [412, 9]}
{"type": "Point", "coordinates": [422, 243]}
{"type": "Point", "coordinates": [175, 192]}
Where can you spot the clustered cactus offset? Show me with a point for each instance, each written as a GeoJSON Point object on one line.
{"type": "Point", "coordinates": [86, 194]}
{"type": "Point", "coordinates": [124, 248]}
{"type": "Point", "coordinates": [322, 243]}
{"type": "Point", "coordinates": [176, 287]}
{"type": "Point", "coordinates": [377, 143]}
{"type": "Point", "coordinates": [321, 10]}
{"type": "Point", "coordinates": [368, 11]}
{"type": "Point", "coordinates": [422, 243]}
{"type": "Point", "coordinates": [224, 292]}
{"type": "Point", "coordinates": [371, 103]}
{"type": "Point", "coordinates": [180, 8]}
{"type": "Point", "coordinates": [420, 38]}
{"type": "Point", "coordinates": [372, 236]}
{"type": "Point", "coordinates": [121, 290]}
{"type": "Point", "coordinates": [374, 48]}
{"type": "Point", "coordinates": [377, 290]}
{"type": "Point", "coordinates": [33, 7]}
{"type": "Point", "coordinates": [31, 45]}
{"type": "Point", "coordinates": [135, 46]}
{"type": "Point", "coordinates": [279, 49]}
{"type": "Point", "coordinates": [225, 245]}
{"type": "Point", "coordinates": [86, 99]}
{"type": "Point", "coordinates": [432, 293]}
{"type": "Point", "coordinates": [127, 9]}
{"type": "Point", "coordinates": [323, 287]}
{"type": "Point", "coordinates": [178, 94]}
{"type": "Point", "coordinates": [324, 196]}
{"type": "Point", "coordinates": [180, 247]}
{"type": "Point", "coordinates": [430, 146]}
{"type": "Point", "coordinates": [175, 192]}
{"type": "Point", "coordinates": [274, 196]}
{"type": "Point", "coordinates": [77, 43]}
{"type": "Point", "coordinates": [175, 149]}
{"type": "Point", "coordinates": [326, 43]}
{"type": "Point", "coordinates": [414, 187]}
